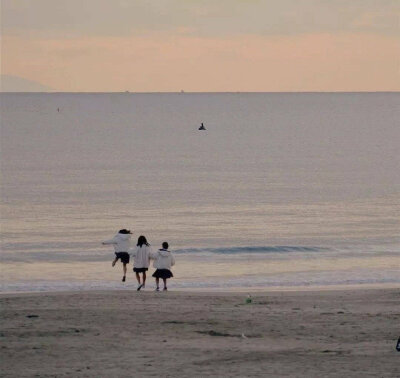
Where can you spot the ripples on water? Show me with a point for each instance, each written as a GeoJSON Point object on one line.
{"type": "Point", "coordinates": [281, 190]}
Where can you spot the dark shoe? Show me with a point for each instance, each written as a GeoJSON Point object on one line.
{"type": "Point", "coordinates": [139, 287]}
{"type": "Point", "coordinates": [165, 289]}
{"type": "Point", "coordinates": [123, 279]}
{"type": "Point", "coordinates": [157, 289]}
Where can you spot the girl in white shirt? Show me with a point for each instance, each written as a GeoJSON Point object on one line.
{"type": "Point", "coordinates": [121, 243]}
{"type": "Point", "coordinates": [141, 260]}
{"type": "Point", "coordinates": [163, 261]}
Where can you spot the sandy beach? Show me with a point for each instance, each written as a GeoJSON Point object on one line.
{"type": "Point", "coordinates": [348, 333]}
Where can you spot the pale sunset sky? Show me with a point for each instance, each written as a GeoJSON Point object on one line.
{"type": "Point", "coordinates": [200, 45]}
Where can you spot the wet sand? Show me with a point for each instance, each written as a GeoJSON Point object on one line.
{"type": "Point", "coordinates": [347, 333]}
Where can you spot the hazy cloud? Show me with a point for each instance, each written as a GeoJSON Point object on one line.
{"type": "Point", "coordinates": [71, 18]}
{"type": "Point", "coordinates": [319, 62]}
{"type": "Point", "coordinates": [203, 45]}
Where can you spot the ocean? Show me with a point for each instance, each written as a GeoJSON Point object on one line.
{"type": "Point", "coordinates": [281, 191]}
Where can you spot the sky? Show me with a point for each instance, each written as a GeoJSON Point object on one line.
{"type": "Point", "coordinates": [200, 45]}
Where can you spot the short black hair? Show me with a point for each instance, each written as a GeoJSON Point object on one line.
{"type": "Point", "coordinates": [165, 245]}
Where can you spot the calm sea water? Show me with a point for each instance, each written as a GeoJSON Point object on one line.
{"type": "Point", "coordinates": [281, 190]}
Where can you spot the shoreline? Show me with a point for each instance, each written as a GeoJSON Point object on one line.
{"type": "Point", "coordinates": [238, 290]}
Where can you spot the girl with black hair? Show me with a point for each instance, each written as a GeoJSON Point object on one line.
{"type": "Point", "coordinates": [121, 243]}
{"type": "Point", "coordinates": [163, 261]}
{"type": "Point", "coordinates": [141, 260]}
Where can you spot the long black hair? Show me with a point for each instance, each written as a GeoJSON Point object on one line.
{"type": "Point", "coordinates": [142, 240]}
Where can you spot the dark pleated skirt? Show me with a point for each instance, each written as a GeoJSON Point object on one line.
{"type": "Point", "coordinates": [140, 270]}
{"type": "Point", "coordinates": [163, 273]}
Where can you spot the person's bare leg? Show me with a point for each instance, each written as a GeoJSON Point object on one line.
{"type": "Point", "coordinates": [144, 279]}
{"type": "Point", "coordinates": [124, 270]}
{"type": "Point", "coordinates": [138, 277]}
{"type": "Point", "coordinates": [114, 262]}
{"type": "Point", "coordinates": [157, 283]}
{"type": "Point", "coordinates": [165, 284]}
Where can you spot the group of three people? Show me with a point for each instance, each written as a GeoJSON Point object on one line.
{"type": "Point", "coordinates": [142, 254]}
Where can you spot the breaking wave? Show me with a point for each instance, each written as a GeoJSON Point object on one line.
{"type": "Point", "coordinates": [246, 250]}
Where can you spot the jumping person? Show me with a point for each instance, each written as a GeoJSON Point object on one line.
{"type": "Point", "coordinates": [163, 260]}
{"type": "Point", "coordinates": [141, 260]}
{"type": "Point", "coordinates": [121, 243]}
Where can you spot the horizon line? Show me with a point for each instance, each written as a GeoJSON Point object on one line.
{"type": "Point", "coordinates": [190, 92]}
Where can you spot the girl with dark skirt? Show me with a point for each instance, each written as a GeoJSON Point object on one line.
{"type": "Point", "coordinates": [121, 243]}
{"type": "Point", "coordinates": [163, 261]}
{"type": "Point", "coordinates": [141, 260]}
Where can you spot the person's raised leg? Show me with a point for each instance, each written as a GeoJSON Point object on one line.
{"type": "Point", "coordinates": [165, 284]}
{"type": "Point", "coordinates": [114, 261]}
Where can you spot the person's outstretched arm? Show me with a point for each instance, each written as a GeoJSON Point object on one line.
{"type": "Point", "coordinates": [111, 241]}
{"type": "Point", "coordinates": [149, 254]}
{"type": "Point", "coordinates": [152, 255]}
